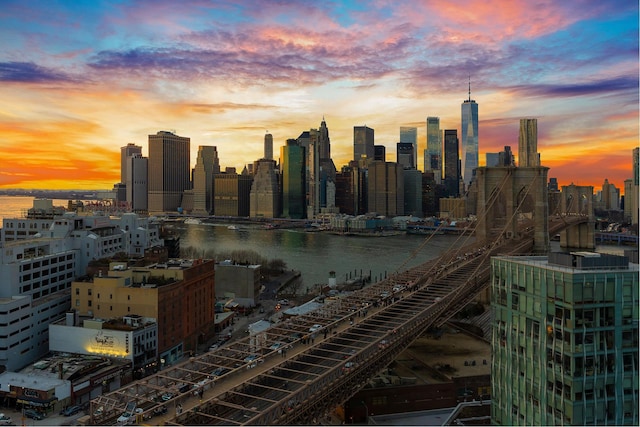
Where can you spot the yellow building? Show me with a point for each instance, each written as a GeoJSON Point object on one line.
{"type": "Point", "coordinates": [179, 294]}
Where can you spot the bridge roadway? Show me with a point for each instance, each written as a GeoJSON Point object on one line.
{"type": "Point", "coordinates": [250, 382]}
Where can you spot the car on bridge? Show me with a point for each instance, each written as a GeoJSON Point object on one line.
{"type": "Point", "coordinates": [315, 328]}
{"type": "Point", "coordinates": [218, 372]}
{"type": "Point", "coordinates": [250, 358]}
{"type": "Point", "coordinates": [348, 366]}
{"type": "Point", "coordinates": [276, 345]}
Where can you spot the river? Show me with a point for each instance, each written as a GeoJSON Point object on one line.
{"type": "Point", "coordinates": [315, 254]}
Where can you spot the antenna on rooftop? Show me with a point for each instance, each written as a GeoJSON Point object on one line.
{"type": "Point", "coordinates": [469, 87]}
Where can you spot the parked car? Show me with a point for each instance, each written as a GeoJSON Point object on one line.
{"type": "Point", "coordinates": [71, 410]}
{"type": "Point", "coordinates": [33, 414]}
{"type": "Point", "coordinates": [5, 420]}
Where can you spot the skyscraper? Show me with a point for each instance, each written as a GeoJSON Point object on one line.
{"type": "Point", "coordinates": [469, 139]}
{"type": "Point", "coordinates": [565, 340]}
{"type": "Point", "coordinates": [169, 171]}
{"type": "Point", "coordinates": [126, 153]}
{"type": "Point", "coordinates": [363, 141]}
{"type": "Point", "coordinates": [265, 191]}
{"type": "Point", "coordinates": [410, 135]}
{"type": "Point", "coordinates": [451, 163]}
{"type": "Point", "coordinates": [385, 188]}
{"type": "Point", "coordinates": [405, 154]}
{"type": "Point", "coordinates": [268, 146]}
{"type": "Point", "coordinates": [292, 166]}
{"type": "Point", "coordinates": [207, 165]}
{"type": "Point", "coordinates": [433, 152]}
{"type": "Point", "coordinates": [137, 185]}
{"type": "Point", "coordinates": [528, 144]}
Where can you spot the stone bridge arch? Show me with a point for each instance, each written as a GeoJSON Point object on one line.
{"type": "Point", "coordinates": [523, 193]}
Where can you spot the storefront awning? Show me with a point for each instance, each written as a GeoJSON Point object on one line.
{"type": "Point", "coordinates": [33, 401]}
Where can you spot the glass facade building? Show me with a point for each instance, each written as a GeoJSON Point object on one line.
{"type": "Point", "coordinates": [565, 340]}
{"type": "Point", "coordinates": [469, 140]}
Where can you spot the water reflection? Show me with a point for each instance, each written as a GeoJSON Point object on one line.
{"type": "Point", "coordinates": [315, 254]}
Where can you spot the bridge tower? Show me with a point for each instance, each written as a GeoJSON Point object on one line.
{"type": "Point", "coordinates": [510, 196]}
{"type": "Point", "coordinates": [578, 200]}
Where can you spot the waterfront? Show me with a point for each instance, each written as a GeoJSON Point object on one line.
{"type": "Point", "coordinates": [315, 254]}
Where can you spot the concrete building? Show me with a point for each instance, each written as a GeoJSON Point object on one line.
{"type": "Point", "coordinates": [169, 171]}
{"type": "Point", "coordinates": [565, 340]}
{"type": "Point", "coordinates": [385, 188]}
{"type": "Point", "coordinates": [137, 185]}
{"type": "Point", "coordinates": [207, 166]}
{"type": "Point", "coordinates": [179, 294]}
{"type": "Point", "coordinates": [231, 193]}
{"type": "Point", "coordinates": [240, 283]}
{"type": "Point", "coordinates": [264, 197]}
{"type": "Point", "coordinates": [268, 146]}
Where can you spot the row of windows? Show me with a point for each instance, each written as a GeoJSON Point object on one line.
{"type": "Point", "coordinates": [42, 263]}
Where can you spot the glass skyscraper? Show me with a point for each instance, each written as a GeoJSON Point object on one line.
{"type": "Point", "coordinates": [433, 153]}
{"type": "Point", "coordinates": [293, 169]}
{"type": "Point", "coordinates": [410, 135]}
{"type": "Point", "coordinates": [469, 139]}
{"type": "Point", "coordinates": [565, 340]}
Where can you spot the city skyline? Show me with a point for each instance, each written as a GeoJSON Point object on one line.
{"type": "Point", "coordinates": [80, 80]}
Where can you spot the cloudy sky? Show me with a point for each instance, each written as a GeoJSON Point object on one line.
{"type": "Point", "coordinates": [80, 79]}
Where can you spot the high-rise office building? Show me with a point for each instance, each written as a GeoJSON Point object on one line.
{"type": "Point", "coordinates": [351, 189]}
{"type": "Point", "coordinates": [433, 152]}
{"type": "Point", "coordinates": [413, 192]}
{"type": "Point", "coordinates": [635, 193]}
{"type": "Point", "coordinates": [469, 139]}
{"type": "Point", "coordinates": [137, 185]}
{"type": "Point", "coordinates": [385, 188]}
{"type": "Point", "coordinates": [268, 146]}
{"type": "Point", "coordinates": [528, 155]}
{"type": "Point", "coordinates": [451, 163]}
{"type": "Point", "coordinates": [410, 135]}
{"type": "Point", "coordinates": [565, 340]}
{"type": "Point", "coordinates": [379, 153]}
{"type": "Point", "coordinates": [405, 154]}
{"type": "Point", "coordinates": [292, 167]}
{"type": "Point", "coordinates": [126, 152]}
{"type": "Point", "coordinates": [265, 190]}
{"type": "Point", "coordinates": [169, 171]}
{"type": "Point", "coordinates": [324, 143]}
{"type": "Point", "coordinates": [231, 193]}
{"type": "Point", "coordinates": [363, 141]}
{"type": "Point", "coordinates": [207, 165]}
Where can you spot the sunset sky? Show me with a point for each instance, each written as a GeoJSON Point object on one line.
{"type": "Point", "coordinates": [80, 79]}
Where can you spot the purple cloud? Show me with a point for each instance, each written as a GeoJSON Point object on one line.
{"type": "Point", "coordinates": [28, 72]}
